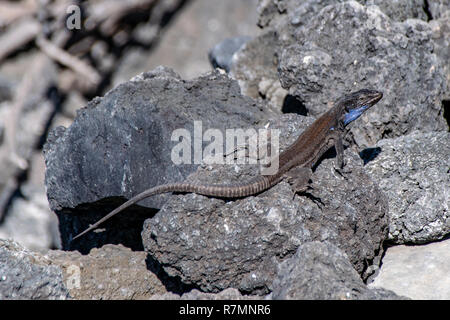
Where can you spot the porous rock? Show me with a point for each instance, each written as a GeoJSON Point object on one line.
{"type": "Point", "coordinates": [111, 272]}
{"type": "Point", "coordinates": [214, 244]}
{"type": "Point", "coordinates": [321, 271]}
{"type": "Point", "coordinates": [287, 15]}
{"type": "Point", "coordinates": [348, 46]}
{"type": "Point", "coordinates": [227, 294]}
{"type": "Point", "coordinates": [400, 10]}
{"type": "Point", "coordinates": [255, 67]}
{"type": "Point", "coordinates": [413, 172]}
{"type": "Point", "coordinates": [441, 38]}
{"type": "Point", "coordinates": [438, 8]}
{"type": "Point", "coordinates": [28, 275]}
{"type": "Point", "coordinates": [221, 56]}
{"type": "Point", "coordinates": [419, 272]}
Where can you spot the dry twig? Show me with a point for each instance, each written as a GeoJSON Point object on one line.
{"type": "Point", "coordinates": [11, 12]}
{"type": "Point", "coordinates": [69, 61]}
{"type": "Point", "coordinates": [18, 35]}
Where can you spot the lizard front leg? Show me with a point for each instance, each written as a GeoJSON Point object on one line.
{"type": "Point", "coordinates": [298, 178]}
{"type": "Point", "coordinates": [338, 145]}
{"type": "Point", "coordinates": [335, 139]}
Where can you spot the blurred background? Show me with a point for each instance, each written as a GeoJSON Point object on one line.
{"type": "Point", "coordinates": [57, 55]}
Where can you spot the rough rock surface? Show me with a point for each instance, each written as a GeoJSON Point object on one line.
{"type": "Point", "coordinates": [438, 8]}
{"type": "Point", "coordinates": [221, 55]}
{"type": "Point", "coordinates": [111, 272]}
{"type": "Point", "coordinates": [119, 145]}
{"type": "Point", "coordinates": [215, 244]}
{"type": "Point", "coordinates": [441, 38]}
{"type": "Point", "coordinates": [28, 275]}
{"type": "Point", "coordinates": [329, 49]}
{"type": "Point", "coordinates": [227, 294]}
{"type": "Point", "coordinates": [400, 10]}
{"type": "Point", "coordinates": [321, 271]}
{"type": "Point", "coordinates": [413, 172]}
{"type": "Point", "coordinates": [348, 46]}
{"type": "Point", "coordinates": [255, 68]}
{"type": "Point", "coordinates": [418, 272]}
{"type": "Point", "coordinates": [288, 14]}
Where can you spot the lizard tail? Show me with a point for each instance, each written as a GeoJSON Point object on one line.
{"type": "Point", "coordinates": [237, 190]}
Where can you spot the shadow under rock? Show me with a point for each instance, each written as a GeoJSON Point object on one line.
{"type": "Point", "coordinates": [125, 228]}
{"type": "Point", "coordinates": [172, 284]}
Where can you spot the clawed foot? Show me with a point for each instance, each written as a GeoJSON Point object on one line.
{"type": "Point", "coordinates": [338, 170]}
{"type": "Point", "coordinates": [299, 179]}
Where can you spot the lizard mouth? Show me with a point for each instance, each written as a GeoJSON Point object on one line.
{"type": "Point", "coordinates": [354, 114]}
{"type": "Point", "coordinates": [376, 97]}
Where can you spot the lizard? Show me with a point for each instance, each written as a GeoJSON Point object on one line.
{"type": "Point", "coordinates": [295, 163]}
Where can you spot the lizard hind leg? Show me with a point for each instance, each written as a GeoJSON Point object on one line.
{"type": "Point", "coordinates": [299, 178]}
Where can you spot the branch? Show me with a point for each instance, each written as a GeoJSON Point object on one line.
{"type": "Point", "coordinates": [18, 35]}
{"type": "Point", "coordinates": [69, 61]}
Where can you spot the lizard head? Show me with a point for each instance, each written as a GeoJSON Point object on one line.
{"type": "Point", "coordinates": [354, 104]}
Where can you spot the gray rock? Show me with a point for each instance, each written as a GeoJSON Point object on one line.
{"type": "Point", "coordinates": [227, 294]}
{"type": "Point", "coordinates": [289, 14]}
{"type": "Point", "coordinates": [221, 55]}
{"type": "Point", "coordinates": [400, 10]}
{"type": "Point", "coordinates": [111, 272]}
{"type": "Point", "coordinates": [348, 46]}
{"type": "Point", "coordinates": [255, 68]}
{"type": "Point", "coordinates": [413, 172]}
{"type": "Point", "coordinates": [27, 275]}
{"type": "Point", "coordinates": [119, 145]}
{"type": "Point", "coordinates": [287, 17]}
{"type": "Point", "coordinates": [215, 244]}
{"type": "Point", "coordinates": [418, 272]}
{"type": "Point", "coordinates": [321, 271]}
{"type": "Point", "coordinates": [438, 8]}
{"type": "Point", "coordinates": [184, 43]}
{"type": "Point", "coordinates": [441, 38]}
{"type": "Point", "coordinates": [352, 212]}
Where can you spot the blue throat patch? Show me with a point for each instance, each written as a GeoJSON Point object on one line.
{"type": "Point", "coordinates": [354, 114]}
